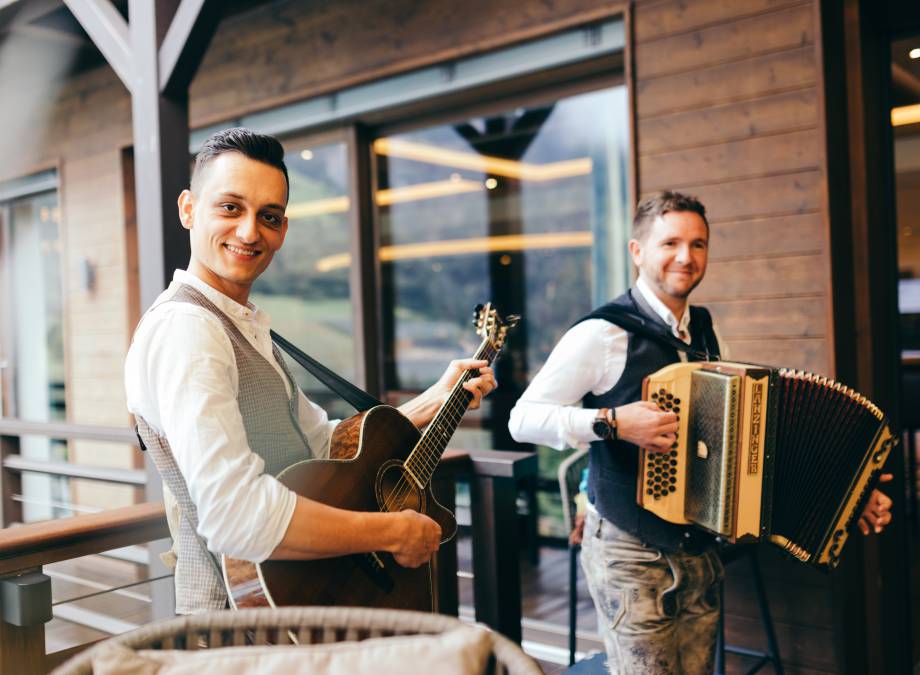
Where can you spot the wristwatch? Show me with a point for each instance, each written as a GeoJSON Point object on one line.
{"type": "Point", "coordinates": [605, 424]}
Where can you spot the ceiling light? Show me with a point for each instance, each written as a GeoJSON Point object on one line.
{"type": "Point", "coordinates": [491, 183]}
{"type": "Point", "coordinates": [306, 154]}
{"type": "Point", "coordinates": [915, 53]}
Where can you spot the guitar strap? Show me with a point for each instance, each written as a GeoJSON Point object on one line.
{"type": "Point", "coordinates": [635, 322]}
{"type": "Point", "coordinates": [356, 397]}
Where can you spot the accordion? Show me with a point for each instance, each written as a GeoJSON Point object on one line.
{"type": "Point", "coordinates": [762, 454]}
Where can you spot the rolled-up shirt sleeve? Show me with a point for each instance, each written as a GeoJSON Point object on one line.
{"type": "Point", "coordinates": [590, 357]}
{"type": "Point", "coordinates": [242, 512]}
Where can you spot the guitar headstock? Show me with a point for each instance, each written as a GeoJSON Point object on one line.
{"type": "Point", "coordinates": [491, 326]}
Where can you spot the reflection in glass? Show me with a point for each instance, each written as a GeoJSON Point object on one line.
{"type": "Point", "coordinates": [308, 298]}
{"type": "Point", "coordinates": [39, 388]}
{"type": "Point", "coordinates": [526, 208]}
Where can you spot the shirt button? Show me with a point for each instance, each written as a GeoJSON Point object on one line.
{"type": "Point", "coordinates": [686, 534]}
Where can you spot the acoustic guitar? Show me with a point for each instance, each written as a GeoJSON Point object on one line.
{"type": "Point", "coordinates": [380, 461]}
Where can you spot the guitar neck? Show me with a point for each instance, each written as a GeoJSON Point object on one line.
{"type": "Point", "coordinates": [424, 458]}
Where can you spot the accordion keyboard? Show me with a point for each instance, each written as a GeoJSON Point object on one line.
{"type": "Point", "coordinates": [662, 489]}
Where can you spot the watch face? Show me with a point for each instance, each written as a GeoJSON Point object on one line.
{"type": "Point", "coordinates": [601, 429]}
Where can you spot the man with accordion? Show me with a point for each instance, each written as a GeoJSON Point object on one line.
{"type": "Point", "coordinates": [655, 584]}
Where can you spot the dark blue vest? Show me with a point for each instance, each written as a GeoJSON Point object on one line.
{"type": "Point", "coordinates": [614, 467]}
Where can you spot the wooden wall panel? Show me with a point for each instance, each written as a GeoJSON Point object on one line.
{"type": "Point", "coordinates": [762, 278]}
{"type": "Point", "coordinates": [728, 108]}
{"type": "Point", "coordinates": [791, 111]}
{"type": "Point", "coordinates": [733, 81]}
{"type": "Point", "coordinates": [726, 41]}
{"type": "Point", "coordinates": [752, 157]}
{"type": "Point", "coordinates": [771, 236]}
{"type": "Point", "coordinates": [762, 319]}
{"type": "Point", "coordinates": [659, 19]}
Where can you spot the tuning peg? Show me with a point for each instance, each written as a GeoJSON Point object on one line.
{"type": "Point", "coordinates": [477, 315]}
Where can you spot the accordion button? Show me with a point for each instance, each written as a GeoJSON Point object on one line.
{"type": "Point", "coordinates": [676, 401]}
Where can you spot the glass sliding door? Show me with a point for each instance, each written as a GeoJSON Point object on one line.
{"type": "Point", "coordinates": [306, 289]}
{"type": "Point", "coordinates": [523, 206]}
{"type": "Point", "coordinates": [34, 349]}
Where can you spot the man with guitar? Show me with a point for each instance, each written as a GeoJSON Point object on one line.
{"type": "Point", "coordinates": [217, 407]}
{"type": "Point", "coordinates": [655, 584]}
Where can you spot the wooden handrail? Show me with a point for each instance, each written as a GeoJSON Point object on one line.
{"type": "Point", "coordinates": [36, 544]}
{"type": "Point", "coordinates": [11, 426]}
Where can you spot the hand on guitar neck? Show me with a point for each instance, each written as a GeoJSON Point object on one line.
{"type": "Point", "coordinates": [424, 406]}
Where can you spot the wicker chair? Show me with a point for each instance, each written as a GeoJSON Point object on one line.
{"type": "Point", "coordinates": [309, 625]}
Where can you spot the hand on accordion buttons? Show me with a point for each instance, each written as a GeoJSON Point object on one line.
{"type": "Point", "coordinates": [645, 425]}
{"type": "Point", "coordinates": [877, 513]}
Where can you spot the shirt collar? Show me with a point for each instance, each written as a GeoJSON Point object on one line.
{"type": "Point", "coordinates": [662, 310]}
{"type": "Point", "coordinates": [229, 306]}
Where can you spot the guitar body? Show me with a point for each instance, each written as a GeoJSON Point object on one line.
{"type": "Point", "coordinates": [365, 473]}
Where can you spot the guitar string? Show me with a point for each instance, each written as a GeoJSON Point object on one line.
{"type": "Point", "coordinates": [429, 461]}
{"type": "Point", "coordinates": [451, 406]}
{"type": "Point", "coordinates": [403, 486]}
{"type": "Point", "coordinates": [422, 459]}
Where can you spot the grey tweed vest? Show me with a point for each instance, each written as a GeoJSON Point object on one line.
{"type": "Point", "coordinates": [273, 431]}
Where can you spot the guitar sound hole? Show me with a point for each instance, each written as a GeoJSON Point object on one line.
{"type": "Point", "coordinates": [396, 490]}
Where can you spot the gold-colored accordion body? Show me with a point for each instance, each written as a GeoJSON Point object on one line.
{"type": "Point", "coordinates": [763, 454]}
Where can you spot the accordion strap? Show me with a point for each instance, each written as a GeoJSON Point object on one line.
{"type": "Point", "coordinates": [635, 322]}
{"type": "Point", "coordinates": [359, 399]}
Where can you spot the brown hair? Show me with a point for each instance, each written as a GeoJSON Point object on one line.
{"type": "Point", "coordinates": [661, 203]}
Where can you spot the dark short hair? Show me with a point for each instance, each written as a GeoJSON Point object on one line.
{"type": "Point", "coordinates": [661, 203]}
{"type": "Point", "coordinates": [260, 147]}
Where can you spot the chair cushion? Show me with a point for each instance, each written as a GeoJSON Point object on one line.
{"type": "Point", "coordinates": [463, 651]}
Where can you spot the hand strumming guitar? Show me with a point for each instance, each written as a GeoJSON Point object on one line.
{"type": "Point", "coordinates": [420, 539]}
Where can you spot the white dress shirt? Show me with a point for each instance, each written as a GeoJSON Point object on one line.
{"type": "Point", "coordinates": [591, 356]}
{"type": "Point", "coordinates": [181, 377]}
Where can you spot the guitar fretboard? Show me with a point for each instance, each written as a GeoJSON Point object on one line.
{"type": "Point", "coordinates": [424, 458]}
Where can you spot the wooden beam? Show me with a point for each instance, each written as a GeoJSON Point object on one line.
{"type": "Point", "coordinates": [109, 31]}
{"type": "Point", "coordinates": [185, 43]}
{"type": "Point", "coordinates": [161, 161]}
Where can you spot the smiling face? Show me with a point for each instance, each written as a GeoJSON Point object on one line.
{"type": "Point", "coordinates": [235, 219]}
{"type": "Point", "coordinates": [672, 256]}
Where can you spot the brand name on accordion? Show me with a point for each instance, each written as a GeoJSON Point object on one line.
{"type": "Point", "coordinates": [756, 416]}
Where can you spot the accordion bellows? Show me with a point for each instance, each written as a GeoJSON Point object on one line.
{"type": "Point", "coordinates": [763, 454]}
